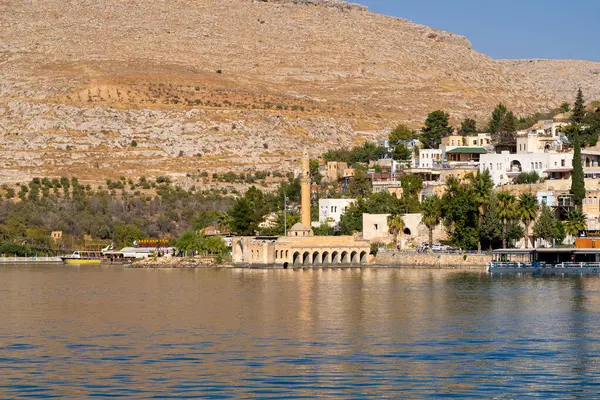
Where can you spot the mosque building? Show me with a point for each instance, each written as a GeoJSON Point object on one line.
{"type": "Point", "coordinates": [300, 248]}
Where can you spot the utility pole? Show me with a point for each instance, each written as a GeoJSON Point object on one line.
{"type": "Point", "coordinates": [284, 214]}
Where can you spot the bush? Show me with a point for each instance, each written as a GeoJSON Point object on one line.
{"type": "Point", "coordinates": [527, 178]}
{"type": "Point", "coordinates": [133, 143]}
{"type": "Point", "coordinates": [375, 248]}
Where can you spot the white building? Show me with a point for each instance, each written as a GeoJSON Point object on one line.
{"type": "Point", "coordinates": [331, 210]}
{"type": "Point", "coordinates": [429, 158]}
{"type": "Point", "coordinates": [505, 166]}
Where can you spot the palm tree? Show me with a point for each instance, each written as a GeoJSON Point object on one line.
{"type": "Point", "coordinates": [431, 208]}
{"type": "Point", "coordinates": [482, 185]}
{"type": "Point", "coordinates": [576, 221]}
{"type": "Point", "coordinates": [507, 208]}
{"type": "Point", "coordinates": [396, 226]}
{"type": "Point", "coordinates": [527, 210]}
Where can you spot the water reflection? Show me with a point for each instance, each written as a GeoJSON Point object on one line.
{"type": "Point", "coordinates": [75, 332]}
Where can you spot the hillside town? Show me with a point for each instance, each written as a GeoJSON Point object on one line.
{"type": "Point", "coordinates": [511, 183]}
{"type": "Point", "coordinates": [525, 176]}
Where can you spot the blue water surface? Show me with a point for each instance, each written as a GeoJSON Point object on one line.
{"type": "Point", "coordinates": [92, 331]}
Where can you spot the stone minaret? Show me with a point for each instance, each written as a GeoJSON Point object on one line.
{"type": "Point", "coordinates": [305, 190]}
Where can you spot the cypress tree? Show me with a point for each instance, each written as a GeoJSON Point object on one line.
{"type": "Point", "coordinates": [577, 182]}
{"type": "Point", "coordinates": [578, 109]}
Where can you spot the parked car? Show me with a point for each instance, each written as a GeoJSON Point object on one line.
{"type": "Point", "coordinates": [438, 247]}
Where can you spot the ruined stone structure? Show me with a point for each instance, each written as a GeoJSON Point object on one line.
{"type": "Point", "coordinates": [300, 247]}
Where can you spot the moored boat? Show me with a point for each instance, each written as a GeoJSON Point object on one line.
{"type": "Point", "coordinates": [83, 257]}
{"type": "Point", "coordinates": [546, 261]}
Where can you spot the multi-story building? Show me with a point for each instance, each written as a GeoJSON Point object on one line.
{"type": "Point", "coordinates": [331, 210]}
{"type": "Point", "coordinates": [429, 158]}
{"type": "Point", "coordinates": [504, 167]}
{"type": "Point", "coordinates": [335, 170]}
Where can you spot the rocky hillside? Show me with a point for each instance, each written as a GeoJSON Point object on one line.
{"type": "Point", "coordinates": [103, 88]}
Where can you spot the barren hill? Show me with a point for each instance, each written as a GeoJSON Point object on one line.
{"type": "Point", "coordinates": [220, 84]}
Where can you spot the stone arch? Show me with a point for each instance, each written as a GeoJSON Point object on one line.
{"type": "Point", "coordinates": [297, 260]}
{"type": "Point", "coordinates": [344, 258]}
{"type": "Point", "coordinates": [316, 258]}
{"type": "Point", "coordinates": [306, 258]}
{"type": "Point", "coordinates": [325, 259]}
{"type": "Point", "coordinates": [407, 231]}
{"type": "Point", "coordinates": [335, 257]}
{"type": "Point", "coordinates": [238, 254]}
{"type": "Point", "coordinates": [354, 258]}
{"type": "Point", "coordinates": [363, 257]}
{"type": "Point", "coordinates": [286, 265]}
{"type": "Point", "coordinates": [515, 166]}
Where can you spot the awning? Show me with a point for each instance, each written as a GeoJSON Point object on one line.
{"type": "Point", "coordinates": [467, 150]}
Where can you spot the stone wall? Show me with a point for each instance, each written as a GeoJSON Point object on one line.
{"type": "Point", "coordinates": [445, 261]}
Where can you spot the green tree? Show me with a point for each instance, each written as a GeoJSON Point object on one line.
{"type": "Point", "coordinates": [514, 232]}
{"type": "Point", "coordinates": [431, 210]}
{"type": "Point", "coordinates": [507, 211]}
{"type": "Point", "coordinates": [577, 177]}
{"type": "Point", "coordinates": [206, 218]}
{"type": "Point", "coordinates": [503, 125]}
{"type": "Point", "coordinates": [400, 135]}
{"type": "Point", "coordinates": [189, 241]}
{"type": "Point", "coordinates": [576, 221]}
{"type": "Point", "coordinates": [214, 245]}
{"type": "Point", "coordinates": [411, 184]}
{"type": "Point", "coordinates": [125, 234]}
{"type": "Point", "coordinates": [490, 230]}
{"type": "Point", "coordinates": [436, 127]}
{"type": "Point", "coordinates": [243, 220]}
{"type": "Point", "coordinates": [468, 127]}
{"type": "Point", "coordinates": [460, 214]}
{"type": "Point", "coordinates": [527, 210]}
{"type": "Point", "coordinates": [527, 178]}
{"type": "Point", "coordinates": [360, 185]}
{"type": "Point", "coordinates": [482, 186]}
{"type": "Point", "coordinates": [545, 225]}
{"type": "Point", "coordinates": [565, 107]}
{"type": "Point", "coordinates": [396, 227]}
{"type": "Point", "coordinates": [324, 230]}
{"type": "Point", "coordinates": [315, 172]}
{"type": "Point", "coordinates": [351, 219]}
{"type": "Point", "coordinates": [578, 109]}
{"type": "Point", "coordinates": [401, 153]}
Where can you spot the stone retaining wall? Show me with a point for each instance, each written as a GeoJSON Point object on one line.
{"type": "Point", "coordinates": [444, 261]}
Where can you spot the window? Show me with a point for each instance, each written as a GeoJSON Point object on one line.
{"type": "Point", "coordinates": [491, 167]}
{"type": "Point", "coordinates": [583, 201]}
{"type": "Point", "coordinates": [595, 200]}
{"type": "Point", "coordinates": [562, 162]}
{"type": "Point", "coordinates": [544, 199]}
{"type": "Point", "coordinates": [376, 227]}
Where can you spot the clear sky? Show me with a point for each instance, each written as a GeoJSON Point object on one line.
{"type": "Point", "coordinates": [560, 29]}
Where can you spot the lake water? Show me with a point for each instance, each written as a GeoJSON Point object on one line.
{"type": "Point", "coordinates": [72, 332]}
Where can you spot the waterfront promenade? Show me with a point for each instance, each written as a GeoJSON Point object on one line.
{"type": "Point", "coordinates": [29, 260]}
